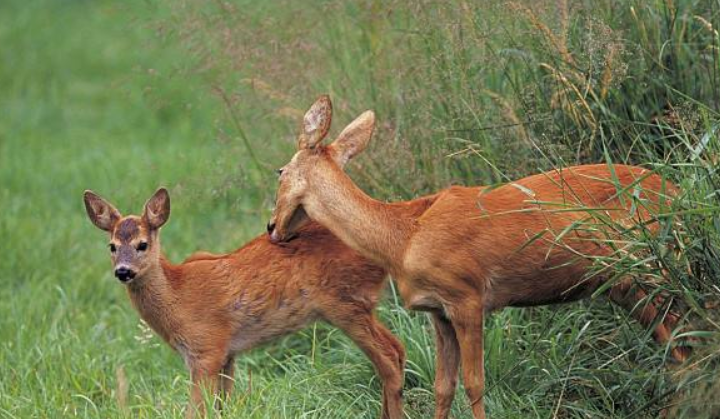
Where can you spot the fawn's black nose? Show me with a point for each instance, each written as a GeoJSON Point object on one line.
{"type": "Point", "coordinates": [124, 274]}
{"type": "Point", "coordinates": [270, 227]}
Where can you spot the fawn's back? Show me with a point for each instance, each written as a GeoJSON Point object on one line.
{"type": "Point", "coordinates": [262, 291]}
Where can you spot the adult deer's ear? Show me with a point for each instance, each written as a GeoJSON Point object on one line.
{"type": "Point", "coordinates": [157, 209]}
{"type": "Point", "coordinates": [316, 123]}
{"type": "Point", "coordinates": [354, 138]}
{"type": "Point", "coordinates": [100, 212]}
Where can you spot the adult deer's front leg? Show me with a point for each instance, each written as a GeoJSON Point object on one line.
{"type": "Point", "coordinates": [447, 360]}
{"type": "Point", "coordinates": [468, 324]}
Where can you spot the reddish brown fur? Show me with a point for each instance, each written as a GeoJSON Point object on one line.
{"type": "Point", "coordinates": [211, 307]}
{"type": "Point", "coordinates": [473, 252]}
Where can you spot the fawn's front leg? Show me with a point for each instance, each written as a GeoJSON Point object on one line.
{"type": "Point", "coordinates": [205, 376]}
{"type": "Point", "coordinates": [227, 379]}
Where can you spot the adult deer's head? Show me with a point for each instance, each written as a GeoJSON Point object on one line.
{"type": "Point", "coordinates": [314, 165]}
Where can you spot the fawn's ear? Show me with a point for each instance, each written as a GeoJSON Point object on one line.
{"type": "Point", "coordinates": [316, 123]}
{"type": "Point", "coordinates": [157, 209]}
{"type": "Point", "coordinates": [354, 138]}
{"type": "Point", "coordinates": [100, 212]}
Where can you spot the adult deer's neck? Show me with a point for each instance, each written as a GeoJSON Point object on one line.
{"type": "Point", "coordinates": [376, 230]}
{"type": "Point", "coordinates": [153, 297]}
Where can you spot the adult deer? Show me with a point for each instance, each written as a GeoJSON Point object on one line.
{"type": "Point", "coordinates": [211, 307]}
{"type": "Point", "coordinates": [526, 243]}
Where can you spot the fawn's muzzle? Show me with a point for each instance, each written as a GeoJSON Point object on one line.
{"type": "Point", "coordinates": [124, 274]}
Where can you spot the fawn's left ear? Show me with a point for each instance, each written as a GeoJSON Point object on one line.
{"type": "Point", "coordinates": [354, 138]}
{"type": "Point", "coordinates": [100, 212]}
{"type": "Point", "coordinates": [157, 209]}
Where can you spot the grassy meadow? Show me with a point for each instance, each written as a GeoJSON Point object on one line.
{"type": "Point", "coordinates": [205, 98]}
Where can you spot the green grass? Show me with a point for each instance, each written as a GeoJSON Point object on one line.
{"type": "Point", "coordinates": [205, 98]}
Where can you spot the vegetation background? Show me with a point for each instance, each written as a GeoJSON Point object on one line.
{"type": "Point", "coordinates": [205, 97]}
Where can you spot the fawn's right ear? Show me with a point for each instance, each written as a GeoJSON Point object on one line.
{"type": "Point", "coordinates": [101, 213]}
{"type": "Point", "coordinates": [316, 123]}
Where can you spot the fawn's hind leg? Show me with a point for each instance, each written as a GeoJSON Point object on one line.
{"type": "Point", "coordinates": [384, 350]}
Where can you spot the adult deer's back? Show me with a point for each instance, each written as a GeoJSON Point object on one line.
{"type": "Point", "coordinates": [536, 240]}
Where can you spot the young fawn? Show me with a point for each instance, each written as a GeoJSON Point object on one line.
{"type": "Point", "coordinates": [526, 243]}
{"type": "Point", "coordinates": [211, 307]}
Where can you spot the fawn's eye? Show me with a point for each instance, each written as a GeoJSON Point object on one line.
{"type": "Point", "coordinates": [113, 249]}
{"type": "Point", "coordinates": [142, 246]}
{"type": "Point", "coordinates": [279, 171]}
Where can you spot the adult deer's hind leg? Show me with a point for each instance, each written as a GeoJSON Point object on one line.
{"type": "Point", "coordinates": [630, 296]}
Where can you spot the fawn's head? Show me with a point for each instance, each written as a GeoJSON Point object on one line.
{"type": "Point", "coordinates": [134, 244]}
{"type": "Point", "coordinates": [314, 164]}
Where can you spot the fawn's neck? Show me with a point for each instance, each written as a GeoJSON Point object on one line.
{"type": "Point", "coordinates": [154, 298]}
{"type": "Point", "coordinates": [377, 230]}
